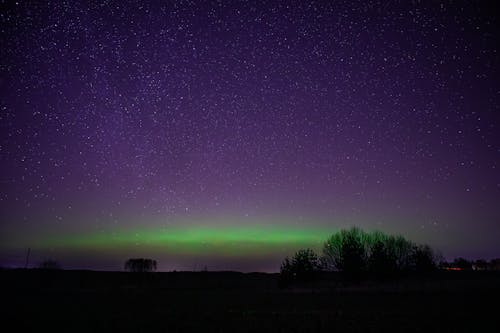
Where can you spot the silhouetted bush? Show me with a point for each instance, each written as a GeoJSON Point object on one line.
{"type": "Point", "coordinates": [140, 265]}
{"type": "Point", "coordinates": [303, 266]}
{"type": "Point", "coordinates": [49, 264]}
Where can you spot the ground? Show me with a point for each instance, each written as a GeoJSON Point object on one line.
{"type": "Point", "coordinates": [86, 301]}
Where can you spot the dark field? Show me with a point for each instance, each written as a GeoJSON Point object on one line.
{"type": "Point", "coordinates": [85, 301]}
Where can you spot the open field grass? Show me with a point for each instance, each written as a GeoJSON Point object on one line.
{"type": "Point", "coordinates": [86, 301]}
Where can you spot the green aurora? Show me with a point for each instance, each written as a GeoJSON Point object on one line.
{"type": "Point", "coordinates": [192, 240]}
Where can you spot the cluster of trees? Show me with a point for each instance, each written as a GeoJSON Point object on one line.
{"type": "Point", "coordinates": [354, 251]}
{"type": "Point", "coordinates": [140, 265]}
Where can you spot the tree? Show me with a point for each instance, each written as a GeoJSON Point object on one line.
{"type": "Point", "coordinates": [389, 253]}
{"type": "Point", "coordinates": [302, 267]}
{"type": "Point", "coordinates": [140, 265]}
{"type": "Point", "coordinates": [305, 262]}
{"type": "Point", "coordinates": [347, 251]}
{"type": "Point", "coordinates": [381, 260]}
{"type": "Point", "coordinates": [286, 273]}
{"type": "Point", "coordinates": [401, 249]}
{"type": "Point", "coordinates": [423, 258]}
{"type": "Point", "coordinates": [354, 251]}
{"type": "Point", "coordinates": [49, 264]}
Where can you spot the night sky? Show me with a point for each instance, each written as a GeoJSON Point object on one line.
{"type": "Point", "coordinates": [227, 135]}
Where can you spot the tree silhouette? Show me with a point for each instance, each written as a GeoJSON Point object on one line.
{"type": "Point", "coordinates": [140, 265]}
{"type": "Point", "coordinates": [423, 258]}
{"type": "Point", "coordinates": [354, 251]}
{"type": "Point", "coordinates": [388, 253]}
{"type": "Point", "coordinates": [305, 262]}
{"type": "Point", "coordinates": [401, 250]}
{"type": "Point", "coordinates": [286, 273]}
{"type": "Point", "coordinates": [380, 260]}
{"type": "Point", "coordinates": [49, 264]}
{"type": "Point", "coordinates": [302, 267]}
{"type": "Point", "coordinates": [346, 251]}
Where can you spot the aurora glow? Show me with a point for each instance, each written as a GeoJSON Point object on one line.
{"type": "Point", "coordinates": [231, 134]}
{"type": "Point", "coordinates": [249, 241]}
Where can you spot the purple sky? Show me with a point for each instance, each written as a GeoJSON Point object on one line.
{"type": "Point", "coordinates": [374, 113]}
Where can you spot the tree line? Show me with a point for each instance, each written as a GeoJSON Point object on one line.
{"type": "Point", "coordinates": [355, 252]}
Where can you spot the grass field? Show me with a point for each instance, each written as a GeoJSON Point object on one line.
{"type": "Point", "coordinates": [86, 301]}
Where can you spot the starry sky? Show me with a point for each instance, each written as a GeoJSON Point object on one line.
{"type": "Point", "coordinates": [228, 134]}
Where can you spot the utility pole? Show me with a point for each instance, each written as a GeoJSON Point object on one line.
{"type": "Point", "coordinates": [27, 258]}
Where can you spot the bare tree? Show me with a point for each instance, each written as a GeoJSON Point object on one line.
{"type": "Point", "coordinates": [140, 265]}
